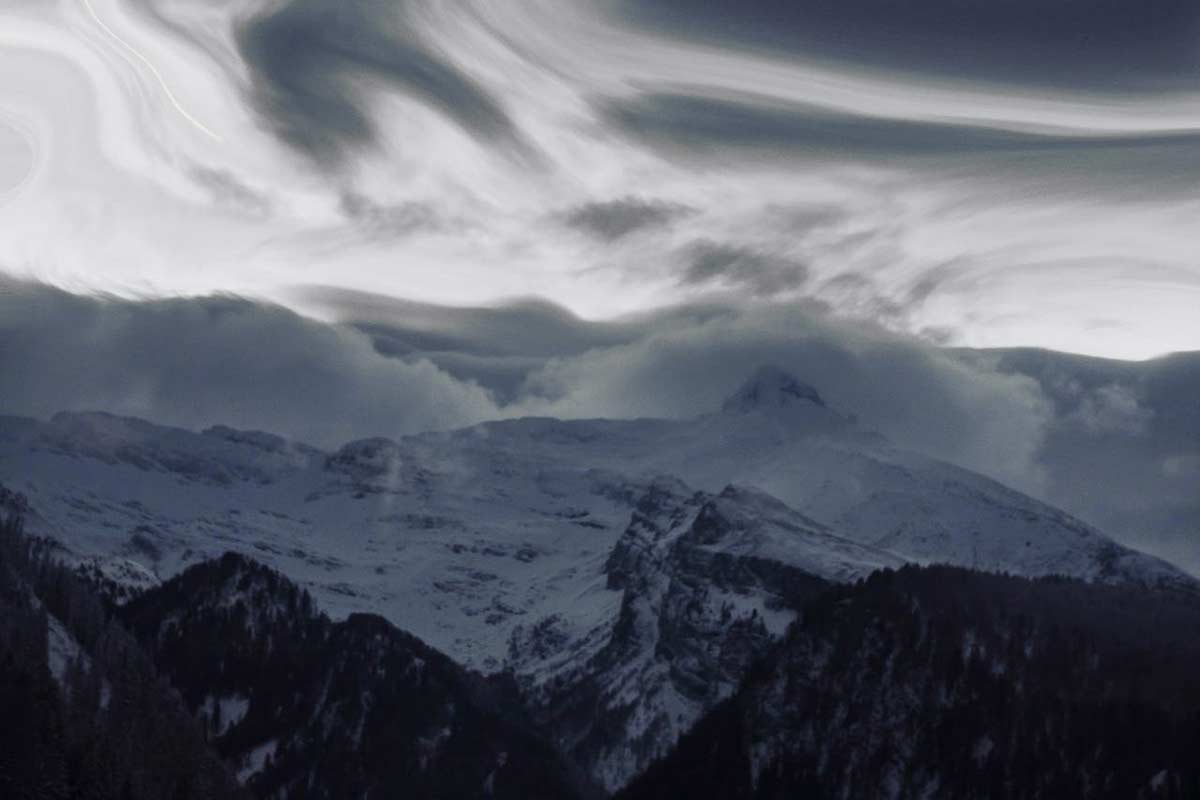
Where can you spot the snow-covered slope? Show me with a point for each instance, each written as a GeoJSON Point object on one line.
{"type": "Point", "coordinates": [502, 544]}
{"type": "Point", "coordinates": [456, 547]}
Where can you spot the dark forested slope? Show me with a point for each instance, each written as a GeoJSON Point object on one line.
{"type": "Point", "coordinates": [83, 711]}
{"type": "Point", "coordinates": [933, 682]}
{"type": "Point", "coordinates": [941, 682]}
{"type": "Point", "coordinates": [311, 708]}
{"type": "Point", "coordinates": [228, 675]}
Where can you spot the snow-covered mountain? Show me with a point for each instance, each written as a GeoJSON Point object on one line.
{"type": "Point", "coordinates": [604, 558]}
{"type": "Point", "coordinates": [708, 583]}
{"type": "Point", "coordinates": [304, 707]}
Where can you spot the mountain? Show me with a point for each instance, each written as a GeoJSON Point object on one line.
{"type": "Point", "coordinates": [306, 707]}
{"type": "Point", "coordinates": [755, 654]}
{"type": "Point", "coordinates": [770, 387]}
{"type": "Point", "coordinates": [625, 572]}
{"type": "Point", "coordinates": [707, 583]}
{"type": "Point", "coordinates": [237, 679]}
{"type": "Point", "coordinates": [940, 682]}
{"type": "Point", "coordinates": [85, 711]}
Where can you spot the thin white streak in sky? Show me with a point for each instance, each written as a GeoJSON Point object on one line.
{"type": "Point", "coordinates": [153, 71]}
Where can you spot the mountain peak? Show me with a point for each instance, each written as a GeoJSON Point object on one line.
{"type": "Point", "coordinates": [771, 387]}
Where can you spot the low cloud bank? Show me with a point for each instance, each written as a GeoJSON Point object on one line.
{"type": "Point", "coordinates": [198, 362]}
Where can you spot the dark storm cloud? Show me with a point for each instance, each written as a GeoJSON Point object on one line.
{"type": "Point", "coordinates": [683, 361]}
{"type": "Point", "coordinates": [537, 358]}
{"type": "Point", "coordinates": [903, 387]}
{"type": "Point", "coordinates": [615, 219]}
{"type": "Point", "coordinates": [498, 347]}
{"type": "Point", "coordinates": [1111, 45]}
{"type": "Point", "coordinates": [701, 124]}
{"type": "Point", "coordinates": [216, 360]}
{"type": "Point", "coordinates": [1122, 448]}
{"type": "Point", "coordinates": [305, 56]}
{"type": "Point", "coordinates": [387, 369]}
{"type": "Point", "coordinates": [759, 272]}
{"type": "Point", "coordinates": [531, 328]}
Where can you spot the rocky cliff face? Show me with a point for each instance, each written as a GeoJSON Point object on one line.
{"type": "Point", "coordinates": [708, 583]}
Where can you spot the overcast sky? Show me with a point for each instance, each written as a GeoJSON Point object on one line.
{"type": "Point", "coordinates": [970, 172]}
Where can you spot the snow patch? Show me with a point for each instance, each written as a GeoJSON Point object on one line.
{"type": "Point", "coordinates": [226, 712]}
{"type": "Point", "coordinates": [61, 648]}
{"type": "Point", "coordinates": [256, 759]}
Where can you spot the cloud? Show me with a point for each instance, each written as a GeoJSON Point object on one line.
{"type": "Point", "coordinates": [523, 328]}
{"type": "Point", "coordinates": [683, 361]}
{"type": "Point", "coordinates": [307, 59]}
{"type": "Point", "coordinates": [1122, 444]}
{"type": "Point", "coordinates": [202, 361]}
{"type": "Point", "coordinates": [761, 273]}
{"type": "Point", "coordinates": [394, 367]}
{"type": "Point", "coordinates": [1111, 409]}
{"type": "Point", "coordinates": [918, 396]}
{"type": "Point", "coordinates": [16, 157]}
{"type": "Point", "coordinates": [1117, 45]}
{"type": "Point", "coordinates": [228, 190]}
{"type": "Point", "coordinates": [390, 221]}
{"type": "Point", "coordinates": [1115, 442]}
{"type": "Point", "coordinates": [1065, 206]}
{"type": "Point", "coordinates": [615, 219]}
{"type": "Point", "coordinates": [708, 122]}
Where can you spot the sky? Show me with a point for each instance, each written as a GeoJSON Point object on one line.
{"type": "Point", "coordinates": [966, 172]}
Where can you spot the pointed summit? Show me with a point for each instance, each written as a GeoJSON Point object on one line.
{"type": "Point", "coordinates": [771, 387]}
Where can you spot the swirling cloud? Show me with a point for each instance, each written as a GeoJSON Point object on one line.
{"type": "Point", "coordinates": [984, 173]}
{"type": "Point", "coordinates": [308, 56]}
{"type": "Point", "coordinates": [615, 219]}
{"type": "Point", "coordinates": [16, 158]}
{"type": "Point", "coordinates": [1113, 46]}
{"type": "Point", "coordinates": [715, 124]}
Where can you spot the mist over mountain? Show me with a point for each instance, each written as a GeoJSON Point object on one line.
{"type": "Point", "coordinates": [1051, 425]}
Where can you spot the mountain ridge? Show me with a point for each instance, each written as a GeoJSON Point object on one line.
{"type": "Point", "coordinates": [539, 547]}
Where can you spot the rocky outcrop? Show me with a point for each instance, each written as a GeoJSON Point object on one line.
{"type": "Point", "coordinates": [708, 584]}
